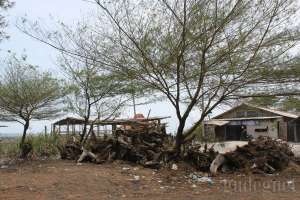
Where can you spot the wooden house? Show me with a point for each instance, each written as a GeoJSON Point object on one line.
{"type": "Point", "coordinates": [254, 121]}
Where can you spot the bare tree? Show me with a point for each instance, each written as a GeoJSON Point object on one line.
{"type": "Point", "coordinates": [92, 92]}
{"type": "Point", "coordinates": [197, 54]}
{"type": "Point", "coordinates": [27, 94]}
{"type": "Point", "coordinates": [203, 53]}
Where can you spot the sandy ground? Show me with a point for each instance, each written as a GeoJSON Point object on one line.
{"type": "Point", "coordinates": [53, 180]}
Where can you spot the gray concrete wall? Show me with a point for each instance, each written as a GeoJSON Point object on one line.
{"type": "Point", "coordinates": [262, 124]}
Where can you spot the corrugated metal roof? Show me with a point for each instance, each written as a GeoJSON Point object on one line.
{"type": "Point", "coordinates": [250, 118]}
{"type": "Point", "coordinates": [277, 112]}
{"type": "Point", "coordinates": [282, 113]}
{"type": "Point", "coordinates": [222, 122]}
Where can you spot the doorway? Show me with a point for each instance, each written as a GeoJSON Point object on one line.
{"type": "Point", "coordinates": [233, 132]}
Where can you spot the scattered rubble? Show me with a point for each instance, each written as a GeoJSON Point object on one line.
{"type": "Point", "coordinates": [174, 167]}
{"type": "Point", "coordinates": [136, 178]}
{"type": "Point", "coordinates": [200, 179]}
{"type": "Point", "coordinates": [201, 159]}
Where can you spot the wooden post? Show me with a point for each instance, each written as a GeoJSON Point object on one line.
{"type": "Point", "coordinates": [73, 129]}
{"type": "Point", "coordinates": [203, 129]}
{"type": "Point", "coordinates": [225, 136]}
{"type": "Point", "coordinates": [114, 128]}
{"type": "Point", "coordinates": [295, 133]}
{"type": "Point", "coordinates": [45, 130]}
{"type": "Point", "coordinates": [68, 128]}
{"type": "Point", "coordinates": [134, 105]}
{"type": "Point", "coordinates": [149, 114]}
{"type": "Point", "coordinates": [54, 127]}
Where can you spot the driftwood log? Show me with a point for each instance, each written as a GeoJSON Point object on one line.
{"type": "Point", "coordinates": [216, 164]}
{"type": "Point", "coordinates": [86, 154]}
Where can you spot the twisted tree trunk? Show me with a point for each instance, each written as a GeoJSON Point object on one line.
{"type": "Point", "coordinates": [26, 126]}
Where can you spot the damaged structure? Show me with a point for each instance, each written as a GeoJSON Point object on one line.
{"type": "Point", "coordinates": [139, 140]}
{"type": "Point", "coordinates": [253, 121]}
{"type": "Point", "coordinates": [71, 125]}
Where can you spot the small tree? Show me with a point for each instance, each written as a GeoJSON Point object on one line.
{"type": "Point", "coordinates": [27, 94]}
{"type": "Point", "coordinates": [91, 92]}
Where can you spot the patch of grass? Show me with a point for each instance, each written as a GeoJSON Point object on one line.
{"type": "Point", "coordinates": [45, 145]}
{"type": "Point", "coordinates": [9, 148]}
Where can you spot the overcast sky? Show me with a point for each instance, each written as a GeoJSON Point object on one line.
{"type": "Point", "coordinates": [68, 11]}
{"type": "Point", "coordinates": [38, 54]}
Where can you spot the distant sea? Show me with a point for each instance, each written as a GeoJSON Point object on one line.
{"type": "Point", "coordinates": [9, 135]}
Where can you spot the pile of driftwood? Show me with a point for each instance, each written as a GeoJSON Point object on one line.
{"type": "Point", "coordinates": [262, 155]}
{"type": "Point", "coordinates": [152, 148]}
{"type": "Point", "coordinates": [144, 145]}
{"type": "Point", "coordinates": [200, 158]}
{"type": "Point", "coordinates": [148, 147]}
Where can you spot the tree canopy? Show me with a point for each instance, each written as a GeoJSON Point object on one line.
{"type": "Point", "coordinates": [4, 5]}
{"type": "Point", "coordinates": [286, 103]}
{"type": "Point", "coordinates": [27, 94]}
{"type": "Point", "coordinates": [91, 92]}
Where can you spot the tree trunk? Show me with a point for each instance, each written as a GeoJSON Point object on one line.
{"type": "Point", "coordinates": [86, 122]}
{"type": "Point", "coordinates": [25, 149]}
{"type": "Point", "coordinates": [26, 126]}
{"type": "Point", "coordinates": [179, 138]}
{"type": "Point", "coordinates": [87, 135]}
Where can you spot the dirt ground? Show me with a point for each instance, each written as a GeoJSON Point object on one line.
{"type": "Point", "coordinates": [53, 180]}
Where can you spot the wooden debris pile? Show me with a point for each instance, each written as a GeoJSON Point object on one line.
{"type": "Point", "coordinates": [200, 159]}
{"type": "Point", "coordinates": [70, 151]}
{"type": "Point", "coordinates": [263, 155]}
{"type": "Point", "coordinates": [147, 147]}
